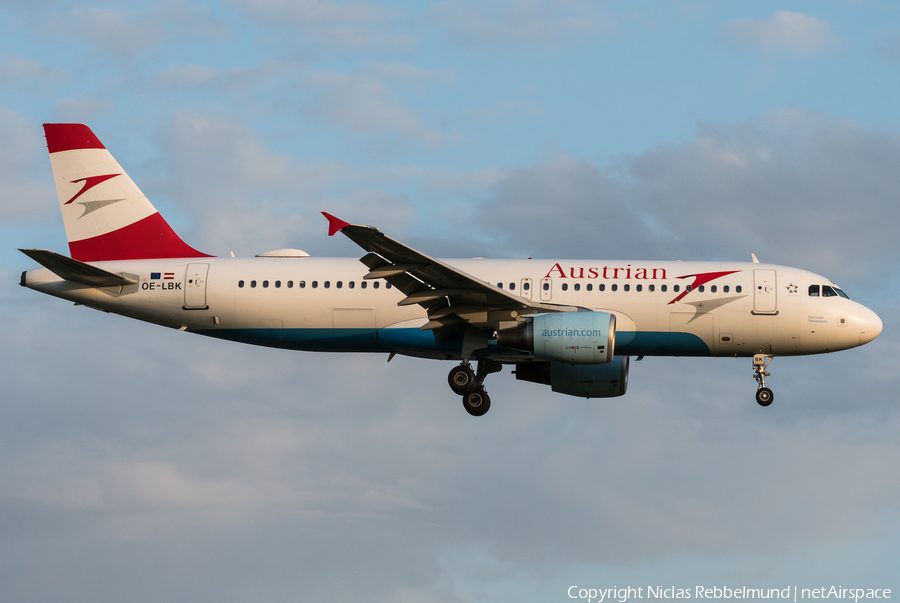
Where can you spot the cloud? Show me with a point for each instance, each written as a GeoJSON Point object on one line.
{"type": "Point", "coordinates": [24, 170]}
{"type": "Point", "coordinates": [794, 187]}
{"type": "Point", "coordinates": [318, 26]}
{"type": "Point", "coordinates": [184, 75]}
{"type": "Point", "coordinates": [503, 110]}
{"type": "Point", "coordinates": [411, 74]}
{"type": "Point", "coordinates": [17, 69]}
{"type": "Point", "coordinates": [217, 170]}
{"type": "Point", "coordinates": [784, 31]}
{"type": "Point", "coordinates": [82, 109]}
{"type": "Point", "coordinates": [500, 23]}
{"type": "Point", "coordinates": [123, 33]}
{"type": "Point", "coordinates": [363, 103]}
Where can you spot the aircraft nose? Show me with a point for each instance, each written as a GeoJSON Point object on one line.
{"type": "Point", "coordinates": [869, 326]}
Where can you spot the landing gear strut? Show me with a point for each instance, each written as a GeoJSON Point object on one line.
{"type": "Point", "coordinates": [470, 385]}
{"type": "Point", "coordinates": [764, 395]}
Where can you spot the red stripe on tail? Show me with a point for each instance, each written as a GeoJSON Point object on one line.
{"type": "Point", "coordinates": [146, 239]}
{"type": "Point", "coordinates": [70, 137]}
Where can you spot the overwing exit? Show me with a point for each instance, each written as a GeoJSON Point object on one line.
{"type": "Point", "coordinates": [569, 324]}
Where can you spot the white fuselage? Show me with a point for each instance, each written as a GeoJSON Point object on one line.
{"type": "Point", "coordinates": [324, 304]}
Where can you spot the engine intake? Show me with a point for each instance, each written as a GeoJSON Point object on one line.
{"type": "Point", "coordinates": [567, 337]}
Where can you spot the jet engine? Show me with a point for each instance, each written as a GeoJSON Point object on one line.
{"type": "Point", "coordinates": [585, 381]}
{"type": "Point", "coordinates": [567, 337]}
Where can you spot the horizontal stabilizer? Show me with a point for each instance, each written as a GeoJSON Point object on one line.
{"type": "Point", "coordinates": [75, 271]}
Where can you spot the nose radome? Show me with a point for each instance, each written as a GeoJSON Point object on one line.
{"type": "Point", "coordinates": [869, 326]}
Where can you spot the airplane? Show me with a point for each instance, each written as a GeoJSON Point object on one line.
{"type": "Point", "coordinates": [569, 324]}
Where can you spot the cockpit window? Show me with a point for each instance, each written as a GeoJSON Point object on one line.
{"type": "Point", "coordinates": [841, 293]}
{"type": "Point", "coordinates": [814, 291]}
{"type": "Point", "coordinates": [828, 291]}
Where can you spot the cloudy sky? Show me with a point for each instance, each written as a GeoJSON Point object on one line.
{"type": "Point", "coordinates": [142, 464]}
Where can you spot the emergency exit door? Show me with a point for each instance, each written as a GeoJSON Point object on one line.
{"type": "Point", "coordinates": [195, 287]}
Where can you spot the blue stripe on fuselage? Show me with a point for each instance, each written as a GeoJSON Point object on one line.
{"type": "Point", "coordinates": [416, 342]}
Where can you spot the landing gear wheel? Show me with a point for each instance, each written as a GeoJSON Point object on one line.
{"type": "Point", "coordinates": [477, 403]}
{"type": "Point", "coordinates": [764, 396]}
{"type": "Point", "coordinates": [462, 380]}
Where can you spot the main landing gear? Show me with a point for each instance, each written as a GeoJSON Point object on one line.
{"type": "Point", "coordinates": [470, 385]}
{"type": "Point", "coordinates": [764, 395]}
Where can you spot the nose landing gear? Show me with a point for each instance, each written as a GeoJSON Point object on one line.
{"type": "Point", "coordinates": [470, 385]}
{"type": "Point", "coordinates": [764, 395]}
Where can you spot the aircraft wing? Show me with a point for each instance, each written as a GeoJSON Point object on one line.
{"type": "Point", "coordinates": [450, 296]}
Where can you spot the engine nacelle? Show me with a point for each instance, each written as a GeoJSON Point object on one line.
{"type": "Point", "coordinates": [597, 381]}
{"type": "Point", "coordinates": [567, 337]}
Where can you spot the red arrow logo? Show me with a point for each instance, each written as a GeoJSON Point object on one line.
{"type": "Point", "coordinates": [700, 279]}
{"type": "Point", "coordinates": [89, 183]}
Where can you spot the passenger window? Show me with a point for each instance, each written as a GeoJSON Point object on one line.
{"type": "Point", "coordinates": [252, 284]}
{"type": "Point", "coordinates": [577, 287]}
{"type": "Point", "coordinates": [627, 287]}
{"type": "Point", "coordinates": [601, 287]}
{"type": "Point", "coordinates": [364, 284]}
{"type": "Point", "coordinates": [689, 288]}
{"type": "Point", "coordinates": [639, 288]}
{"type": "Point", "coordinates": [590, 287]}
{"type": "Point", "coordinates": [676, 288]}
{"type": "Point", "coordinates": [302, 284]}
{"type": "Point", "coordinates": [499, 285]}
{"type": "Point", "coordinates": [241, 284]}
{"type": "Point", "coordinates": [652, 288]}
{"type": "Point", "coordinates": [737, 289]}
{"type": "Point", "coordinates": [265, 284]}
{"type": "Point", "coordinates": [387, 285]}
{"type": "Point", "coordinates": [725, 289]}
{"type": "Point", "coordinates": [828, 291]}
{"type": "Point", "coordinates": [375, 284]}
{"type": "Point", "coordinates": [278, 284]}
{"type": "Point", "coordinates": [526, 286]}
{"type": "Point", "coordinates": [814, 291]}
{"type": "Point", "coordinates": [615, 287]}
{"type": "Point", "coordinates": [315, 284]}
{"type": "Point", "coordinates": [351, 284]}
{"type": "Point", "coordinates": [326, 284]}
{"type": "Point", "coordinates": [512, 286]}
{"type": "Point", "coordinates": [712, 289]}
{"type": "Point", "coordinates": [663, 288]}
{"type": "Point", "coordinates": [290, 284]}
{"type": "Point", "coordinates": [340, 284]}
{"type": "Point", "coordinates": [565, 286]}
{"type": "Point", "coordinates": [701, 288]}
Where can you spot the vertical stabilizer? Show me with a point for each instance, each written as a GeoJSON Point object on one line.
{"type": "Point", "coordinates": [106, 215]}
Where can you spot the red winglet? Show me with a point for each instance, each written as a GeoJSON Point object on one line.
{"type": "Point", "coordinates": [334, 224]}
